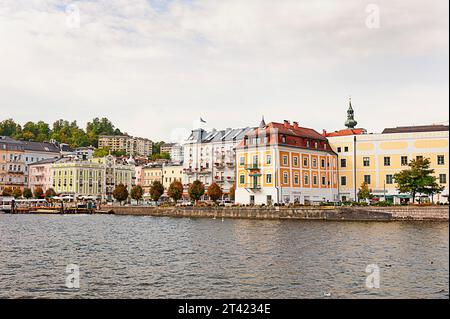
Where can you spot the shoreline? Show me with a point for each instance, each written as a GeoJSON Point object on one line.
{"type": "Point", "coordinates": [324, 213]}
{"type": "Point", "coordinates": [433, 213]}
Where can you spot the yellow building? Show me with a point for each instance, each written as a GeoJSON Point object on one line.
{"type": "Point", "coordinates": [12, 164]}
{"type": "Point", "coordinates": [284, 163]}
{"type": "Point", "coordinates": [171, 173]}
{"type": "Point", "coordinates": [375, 158]}
{"type": "Point", "coordinates": [150, 173]}
{"type": "Point", "coordinates": [132, 146]}
{"type": "Point", "coordinates": [96, 177]}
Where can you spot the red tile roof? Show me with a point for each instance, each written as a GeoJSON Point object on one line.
{"type": "Point", "coordinates": [345, 132]}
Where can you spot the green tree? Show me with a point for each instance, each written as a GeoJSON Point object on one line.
{"type": "Point", "coordinates": [101, 152]}
{"type": "Point", "coordinates": [50, 193]}
{"type": "Point", "coordinates": [196, 190]}
{"type": "Point", "coordinates": [27, 193]}
{"type": "Point", "coordinates": [137, 193]}
{"type": "Point", "coordinates": [17, 193]}
{"type": "Point", "coordinates": [156, 190]}
{"type": "Point", "coordinates": [156, 149]}
{"type": "Point", "coordinates": [364, 192]}
{"type": "Point", "coordinates": [163, 155]}
{"type": "Point", "coordinates": [9, 128]}
{"type": "Point", "coordinates": [120, 193]}
{"type": "Point", "coordinates": [38, 192]}
{"type": "Point", "coordinates": [214, 191]}
{"type": "Point", "coordinates": [417, 179]}
{"type": "Point", "coordinates": [175, 190]}
{"type": "Point", "coordinates": [119, 153]}
{"type": "Point", "coordinates": [98, 127]}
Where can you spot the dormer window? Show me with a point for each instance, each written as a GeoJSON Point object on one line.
{"type": "Point", "coordinates": [307, 143]}
{"type": "Point", "coordinates": [283, 139]}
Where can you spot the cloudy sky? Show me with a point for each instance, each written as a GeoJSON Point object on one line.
{"type": "Point", "coordinates": [154, 67]}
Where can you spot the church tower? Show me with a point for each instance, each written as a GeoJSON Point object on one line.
{"type": "Point", "coordinates": [350, 123]}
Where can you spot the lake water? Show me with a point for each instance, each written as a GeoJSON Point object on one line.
{"type": "Point", "coordinates": [158, 257]}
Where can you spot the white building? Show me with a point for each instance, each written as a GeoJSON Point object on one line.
{"type": "Point", "coordinates": [210, 156]}
{"type": "Point", "coordinates": [175, 150]}
{"type": "Point", "coordinates": [38, 151]}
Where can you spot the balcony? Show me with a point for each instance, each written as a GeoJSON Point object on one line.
{"type": "Point", "coordinates": [204, 170]}
{"type": "Point", "coordinates": [219, 165]}
{"type": "Point", "coordinates": [252, 166]}
{"type": "Point", "coordinates": [10, 171]}
{"type": "Point", "coordinates": [253, 186]}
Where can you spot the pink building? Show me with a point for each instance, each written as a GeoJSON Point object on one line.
{"type": "Point", "coordinates": [139, 178]}
{"type": "Point", "coordinates": [39, 174]}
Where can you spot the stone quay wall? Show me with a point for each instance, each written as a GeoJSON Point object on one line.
{"type": "Point", "coordinates": [435, 213]}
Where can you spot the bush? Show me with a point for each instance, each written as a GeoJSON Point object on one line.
{"type": "Point", "coordinates": [383, 204]}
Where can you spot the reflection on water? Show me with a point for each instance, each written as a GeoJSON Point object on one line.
{"type": "Point", "coordinates": [148, 257]}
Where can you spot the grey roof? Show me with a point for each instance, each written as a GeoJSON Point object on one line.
{"type": "Point", "coordinates": [65, 148]}
{"type": "Point", "coordinates": [40, 147]}
{"type": "Point", "coordinates": [46, 161]}
{"type": "Point", "coordinates": [214, 136]}
{"type": "Point", "coordinates": [10, 144]}
{"type": "Point", "coordinates": [414, 129]}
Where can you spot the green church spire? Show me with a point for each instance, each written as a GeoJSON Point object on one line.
{"type": "Point", "coordinates": [350, 123]}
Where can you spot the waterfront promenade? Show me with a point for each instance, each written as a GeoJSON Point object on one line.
{"type": "Point", "coordinates": [422, 213]}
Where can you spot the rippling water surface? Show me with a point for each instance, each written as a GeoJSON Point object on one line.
{"type": "Point", "coordinates": [151, 257]}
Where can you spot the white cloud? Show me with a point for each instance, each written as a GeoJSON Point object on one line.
{"type": "Point", "coordinates": [153, 67]}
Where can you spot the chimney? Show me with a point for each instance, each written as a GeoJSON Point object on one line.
{"type": "Point", "coordinates": [296, 125]}
{"type": "Point", "coordinates": [287, 124]}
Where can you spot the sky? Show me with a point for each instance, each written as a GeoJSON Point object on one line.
{"type": "Point", "coordinates": [155, 67]}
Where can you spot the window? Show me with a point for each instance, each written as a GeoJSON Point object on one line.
{"type": "Point", "coordinates": [315, 179]}
{"type": "Point", "coordinates": [322, 163]}
{"type": "Point", "coordinates": [343, 162]}
{"type": "Point", "coordinates": [296, 179]}
{"type": "Point", "coordinates": [305, 179]}
{"type": "Point", "coordinates": [389, 179]}
{"type": "Point", "coordinates": [315, 144]}
{"type": "Point", "coordinates": [269, 179]}
{"type": "Point", "coordinates": [285, 178]}
{"type": "Point", "coordinates": [419, 157]}
{"type": "Point", "coordinates": [295, 160]}
{"type": "Point", "coordinates": [339, 149]}
{"type": "Point", "coordinates": [242, 160]}
{"type": "Point", "coordinates": [269, 159]}
{"type": "Point", "coordinates": [404, 160]}
{"type": "Point", "coordinates": [367, 179]}
{"type": "Point", "coordinates": [314, 162]}
{"type": "Point", "coordinates": [324, 181]}
{"type": "Point", "coordinates": [440, 160]}
{"type": "Point", "coordinates": [443, 178]}
{"type": "Point", "coordinates": [387, 161]}
{"type": "Point", "coordinates": [366, 161]}
{"type": "Point", "coordinates": [285, 160]}
{"type": "Point", "coordinates": [307, 143]}
{"type": "Point", "coordinates": [242, 179]}
{"type": "Point", "coordinates": [343, 180]}
{"type": "Point", "coordinates": [283, 139]}
{"type": "Point", "coordinates": [305, 161]}
{"type": "Point", "coordinates": [346, 149]}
